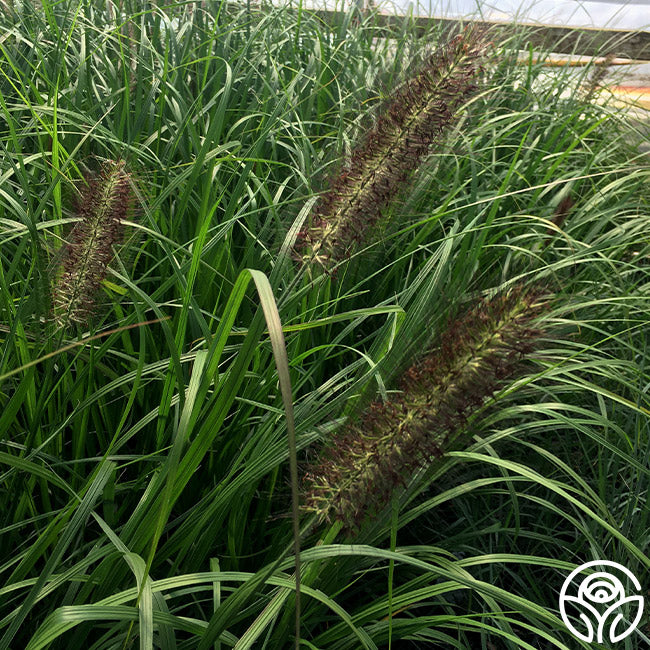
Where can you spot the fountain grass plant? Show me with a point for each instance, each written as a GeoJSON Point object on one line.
{"type": "Point", "coordinates": [386, 445]}
{"type": "Point", "coordinates": [413, 120]}
{"type": "Point", "coordinates": [103, 206]}
{"type": "Point", "coordinates": [144, 462]}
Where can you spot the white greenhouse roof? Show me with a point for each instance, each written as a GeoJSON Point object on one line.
{"type": "Point", "coordinates": [575, 13]}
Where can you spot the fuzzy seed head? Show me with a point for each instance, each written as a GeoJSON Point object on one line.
{"type": "Point", "coordinates": [413, 120]}
{"type": "Point", "coordinates": [358, 471]}
{"type": "Point", "coordinates": [103, 206]}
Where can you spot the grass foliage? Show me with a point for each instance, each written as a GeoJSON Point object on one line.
{"type": "Point", "coordinates": [151, 450]}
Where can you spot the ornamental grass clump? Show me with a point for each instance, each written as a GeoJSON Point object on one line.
{"type": "Point", "coordinates": [413, 120]}
{"type": "Point", "coordinates": [103, 205]}
{"type": "Point", "coordinates": [358, 471]}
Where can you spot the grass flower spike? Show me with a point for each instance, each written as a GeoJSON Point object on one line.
{"type": "Point", "coordinates": [102, 208]}
{"type": "Point", "coordinates": [414, 119]}
{"type": "Point", "coordinates": [358, 471]}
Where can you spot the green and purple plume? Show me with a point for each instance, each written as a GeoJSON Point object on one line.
{"type": "Point", "coordinates": [360, 467]}
{"type": "Point", "coordinates": [414, 120]}
{"type": "Point", "coordinates": [104, 204]}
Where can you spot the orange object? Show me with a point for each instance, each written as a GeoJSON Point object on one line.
{"type": "Point", "coordinates": [639, 95]}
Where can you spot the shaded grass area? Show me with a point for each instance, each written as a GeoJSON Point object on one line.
{"type": "Point", "coordinates": [145, 454]}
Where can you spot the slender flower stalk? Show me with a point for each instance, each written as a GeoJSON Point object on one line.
{"type": "Point", "coordinates": [414, 119]}
{"type": "Point", "coordinates": [102, 208]}
{"type": "Point", "coordinates": [359, 469]}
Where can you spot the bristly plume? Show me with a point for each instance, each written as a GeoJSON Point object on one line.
{"type": "Point", "coordinates": [102, 207]}
{"type": "Point", "coordinates": [414, 119]}
{"type": "Point", "coordinates": [359, 469]}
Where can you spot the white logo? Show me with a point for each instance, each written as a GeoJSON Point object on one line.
{"type": "Point", "coordinates": [599, 597]}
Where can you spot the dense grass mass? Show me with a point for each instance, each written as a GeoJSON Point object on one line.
{"type": "Point", "coordinates": [174, 369]}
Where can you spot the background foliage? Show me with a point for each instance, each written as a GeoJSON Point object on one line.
{"type": "Point", "coordinates": [144, 459]}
